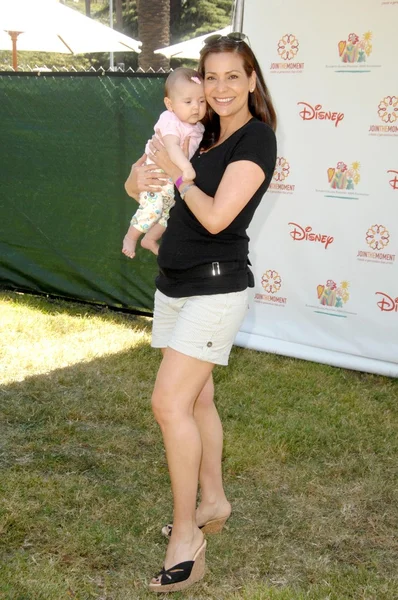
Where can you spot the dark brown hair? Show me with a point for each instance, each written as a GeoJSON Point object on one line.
{"type": "Point", "coordinates": [260, 102]}
{"type": "Point", "coordinates": [182, 73]}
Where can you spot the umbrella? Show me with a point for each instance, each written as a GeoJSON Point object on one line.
{"type": "Point", "coordinates": [47, 26]}
{"type": "Point", "coordinates": [190, 48]}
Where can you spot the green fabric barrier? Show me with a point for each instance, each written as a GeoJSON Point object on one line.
{"type": "Point", "coordinates": [67, 142]}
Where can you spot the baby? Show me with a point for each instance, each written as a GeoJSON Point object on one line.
{"type": "Point", "coordinates": [186, 106]}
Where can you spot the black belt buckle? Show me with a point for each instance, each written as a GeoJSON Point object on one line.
{"type": "Point", "coordinates": [215, 268]}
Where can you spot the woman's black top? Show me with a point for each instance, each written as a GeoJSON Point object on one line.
{"type": "Point", "coordinates": [188, 251]}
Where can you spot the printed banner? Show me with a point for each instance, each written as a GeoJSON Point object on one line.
{"type": "Point", "coordinates": [324, 242]}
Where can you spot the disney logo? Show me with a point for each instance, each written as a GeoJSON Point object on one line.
{"type": "Point", "coordinates": [305, 233]}
{"type": "Point", "coordinates": [387, 304]}
{"type": "Point", "coordinates": [394, 181]}
{"type": "Point", "coordinates": [315, 112]}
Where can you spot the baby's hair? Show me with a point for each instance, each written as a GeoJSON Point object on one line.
{"type": "Point", "coordinates": [181, 74]}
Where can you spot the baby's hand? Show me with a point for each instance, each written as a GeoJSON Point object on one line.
{"type": "Point", "coordinates": [188, 174]}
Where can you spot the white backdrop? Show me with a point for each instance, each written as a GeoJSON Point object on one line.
{"type": "Point", "coordinates": [324, 242]}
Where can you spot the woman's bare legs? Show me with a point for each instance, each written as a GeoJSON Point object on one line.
{"type": "Point", "coordinates": [214, 503]}
{"type": "Point", "coordinates": [179, 382]}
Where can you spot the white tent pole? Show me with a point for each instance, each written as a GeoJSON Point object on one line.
{"type": "Point", "coordinates": [111, 60]}
{"type": "Point", "coordinates": [237, 19]}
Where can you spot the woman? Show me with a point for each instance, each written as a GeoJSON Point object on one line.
{"type": "Point", "coordinates": [201, 296]}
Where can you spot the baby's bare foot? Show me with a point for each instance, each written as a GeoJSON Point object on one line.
{"type": "Point", "coordinates": [129, 246]}
{"type": "Point", "coordinates": [151, 245]}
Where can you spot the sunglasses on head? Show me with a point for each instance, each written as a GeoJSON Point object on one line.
{"type": "Point", "coordinates": [235, 36]}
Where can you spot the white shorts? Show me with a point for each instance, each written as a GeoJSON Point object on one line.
{"type": "Point", "coordinates": [203, 327]}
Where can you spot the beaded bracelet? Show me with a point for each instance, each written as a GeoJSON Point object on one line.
{"type": "Point", "coordinates": [185, 189]}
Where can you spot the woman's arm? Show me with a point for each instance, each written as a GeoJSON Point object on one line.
{"type": "Point", "coordinates": [143, 178]}
{"type": "Point", "coordinates": [238, 185]}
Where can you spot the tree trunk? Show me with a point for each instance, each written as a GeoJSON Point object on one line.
{"type": "Point", "coordinates": [153, 32]}
{"type": "Point", "coordinates": [175, 16]}
{"type": "Point", "coordinates": [119, 15]}
{"type": "Point", "coordinates": [88, 8]}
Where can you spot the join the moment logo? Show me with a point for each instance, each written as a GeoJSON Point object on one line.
{"type": "Point", "coordinates": [309, 113]}
{"type": "Point", "coordinates": [343, 177]}
{"type": "Point", "coordinates": [387, 111]}
{"type": "Point", "coordinates": [377, 238]}
{"type": "Point", "coordinates": [271, 282]}
{"type": "Point", "coordinates": [281, 173]}
{"type": "Point", "coordinates": [299, 234]}
{"type": "Point", "coordinates": [355, 49]}
{"type": "Point", "coordinates": [387, 303]}
{"type": "Point", "coordinates": [394, 179]}
{"type": "Point", "coordinates": [333, 295]}
{"type": "Point", "coordinates": [288, 47]}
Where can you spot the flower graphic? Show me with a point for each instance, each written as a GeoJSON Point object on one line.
{"type": "Point", "coordinates": [388, 109]}
{"type": "Point", "coordinates": [331, 284]}
{"type": "Point", "coordinates": [377, 237]}
{"type": "Point", "coordinates": [282, 169]}
{"type": "Point", "coordinates": [353, 38]}
{"type": "Point", "coordinates": [271, 281]}
{"type": "Point", "coordinates": [288, 46]}
{"type": "Point", "coordinates": [342, 166]}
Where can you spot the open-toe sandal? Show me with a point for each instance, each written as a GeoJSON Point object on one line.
{"type": "Point", "coordinates": [213, 526]}
{"type": "Point", "coordinates": [180, 576]}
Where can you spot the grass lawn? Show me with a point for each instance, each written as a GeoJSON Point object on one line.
{"type": "Point", "coordinates": [310, 466]}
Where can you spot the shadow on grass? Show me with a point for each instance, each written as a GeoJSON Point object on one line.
{"type": "Point", "coordinates": [80, 455]}
{"type": "Point", "coordinates": [74, 308]}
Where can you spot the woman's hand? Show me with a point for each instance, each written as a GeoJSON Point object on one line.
{"type": "Point", "coordinates": [143, 178]}
{"type": "Point", "coordinates": [161, 158]}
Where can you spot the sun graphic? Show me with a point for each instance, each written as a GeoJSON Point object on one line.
{"type": "Point", "coordinates": [282, 169]}
{"type": "Point", "coordinates": [271, 281]}
{"type": "Point", "coordinates": [354, 172]}
{"type": "Point", "coordinates": [367, 37]}
{"type": "Point", "coordinates": [344, 285]}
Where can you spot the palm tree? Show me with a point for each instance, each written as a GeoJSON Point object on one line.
{"type": "Point", "coordinates": [175, 18]}
{"type": "Point", "coordinates": [153, 32]}
{"type": "Point", "coordinates": [119, 15]}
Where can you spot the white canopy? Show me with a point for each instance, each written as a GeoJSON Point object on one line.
{"type": "Point", "coordinates": [190, 48]}
{"type": "Point", "coordinates": [47, 26]}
